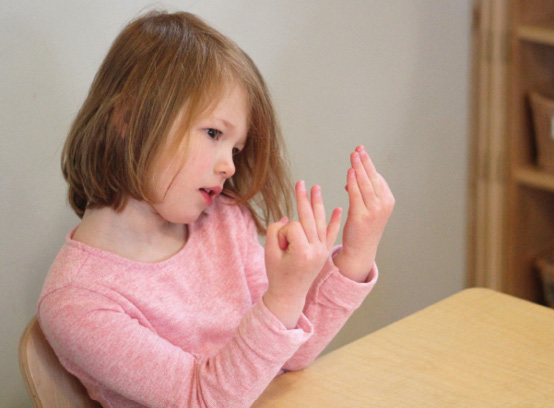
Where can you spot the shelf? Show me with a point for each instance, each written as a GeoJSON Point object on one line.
{"type": "Point", "coordinates": [507, 245]}
{"type": "Point", "coordinates": [540, 33]}
{"type": "Point", "coordinates": [533, 177]}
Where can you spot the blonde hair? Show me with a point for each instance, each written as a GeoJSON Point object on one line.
{"type": "Point", "coordinates": [158, 64]}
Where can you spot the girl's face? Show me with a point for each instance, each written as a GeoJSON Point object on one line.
{"type": "Point", "coordinates": [184, 191]}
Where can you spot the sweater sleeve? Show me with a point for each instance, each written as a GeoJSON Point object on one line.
{"type": "Point", "coordinates": [330, 302]}
{"type": "Point", "coordinates": [124, 363]}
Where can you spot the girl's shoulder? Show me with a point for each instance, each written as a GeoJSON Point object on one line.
{"type": "Point", "coordinates": [80, 265]}
{"type": "Point", "coordinates": [67, 266]}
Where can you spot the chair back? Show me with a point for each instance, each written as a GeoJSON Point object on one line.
{"type": "Point", "coordinates": [48, 382]}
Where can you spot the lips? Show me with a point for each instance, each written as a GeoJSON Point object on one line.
{"type": "Point", "coordinates": [209, 193]}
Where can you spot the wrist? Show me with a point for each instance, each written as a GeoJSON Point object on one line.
{"type": "Point", "coordinates": [353, 267]}
{"type": "Point", "coordinates": [288, 311]}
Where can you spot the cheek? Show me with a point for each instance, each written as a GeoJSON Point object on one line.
{"type": "Point", "coordinates": [196, 168]}
{"type": "Point", "coordinates": [162, 181]}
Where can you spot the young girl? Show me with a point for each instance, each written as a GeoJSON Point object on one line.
{"type": "Point", "coordinates": [162, 295]}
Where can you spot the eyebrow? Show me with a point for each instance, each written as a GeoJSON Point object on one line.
{"type": "Point", "coordinates": [226, 123]}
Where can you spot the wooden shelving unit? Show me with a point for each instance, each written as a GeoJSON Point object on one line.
{"type": "Point", "coordinates": [541, 33]}
{"type": "Point", "coordinates": [532, 177]}
{"type": "Point", "coordinates": [530, 190]}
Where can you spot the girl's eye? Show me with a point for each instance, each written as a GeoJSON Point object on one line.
{"type": "Point", "coordinates": [213, 133]}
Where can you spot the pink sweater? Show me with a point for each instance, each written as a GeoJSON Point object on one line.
{"type": "Point", "coordinates": [191, 331]}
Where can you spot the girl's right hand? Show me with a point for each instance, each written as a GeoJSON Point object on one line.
{"type": "Point", "coordinates": [295, 253]}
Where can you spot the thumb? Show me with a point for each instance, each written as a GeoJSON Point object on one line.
{"type": "Point", "coordinates": [333, 227]}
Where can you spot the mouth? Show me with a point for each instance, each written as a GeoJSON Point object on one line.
{"type": "Point", "coordinates": [212, 191]}
{"type": "Point", "coordinates": [209, 193]}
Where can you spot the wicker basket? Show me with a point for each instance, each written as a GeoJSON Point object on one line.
{"type": "Point", "coordinates": [545, 266]}
{"type": "Point", "coordinates": [543, 120]}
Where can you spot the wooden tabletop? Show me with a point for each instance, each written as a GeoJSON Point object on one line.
{"type": "Point", "coordinates": [478, 348]}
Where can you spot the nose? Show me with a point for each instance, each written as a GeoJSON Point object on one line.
{"type": "Point", "coordinates": [225, 166]}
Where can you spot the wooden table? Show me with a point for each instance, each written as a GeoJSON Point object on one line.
{"type": "Point", "coordinates": [478, 348]}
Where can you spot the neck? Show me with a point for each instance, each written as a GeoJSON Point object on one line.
{"type": "Point", "coordinates": [136, 232]}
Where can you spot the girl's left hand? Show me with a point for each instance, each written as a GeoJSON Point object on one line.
{"type": "Point", "coordinates": [371, 204]}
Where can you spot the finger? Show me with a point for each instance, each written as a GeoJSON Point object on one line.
{"type": "Point", "coordinates": [293, 237]}
{"type": "Point", "coordinates": [272, 240]}
{"type": "Point", "coordinates": [333, 227]}
{"type": "Point", "coordinates": [363, 180]}
{"type": "Point", "coordinates": [368, 163]}
{"type": "Point", "coordinates": [305, 212]}
{"type": "Point", "coordinates": [281, 236]}
{"type": "Point", "coordinates": [354, 194]}
{"type": "Point", "coordinates": [319, 212]}
{"type": "Point", "coordinates": [374, 176]}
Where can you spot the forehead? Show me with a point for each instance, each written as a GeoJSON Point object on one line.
{"type": "Point", "coordinates": [232, 105]}
{"type": "Point", "coordinates": [229, 99]}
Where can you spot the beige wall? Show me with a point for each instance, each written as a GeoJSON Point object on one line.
{"type": "Point", "coordinates": [391, 74]}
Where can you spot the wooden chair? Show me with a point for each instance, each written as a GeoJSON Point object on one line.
{"type": "Point", "coordinates": [49, 384]}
